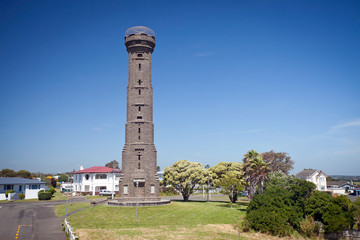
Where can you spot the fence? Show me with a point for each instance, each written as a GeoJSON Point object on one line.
{"type": "Point", "coordinates": [70, 231]}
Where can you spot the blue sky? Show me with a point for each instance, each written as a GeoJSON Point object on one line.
{"type": "Point", "coordinates": [228, 76]}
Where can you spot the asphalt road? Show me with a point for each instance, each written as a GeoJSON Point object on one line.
{"type": "Point", "coordinates": [31, 221]}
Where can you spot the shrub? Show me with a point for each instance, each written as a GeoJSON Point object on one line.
{"type": "Point", "coordinates": [52, 190]}
{"type": "Point", "coordinates": [21, 196]}
{"type": "Point", "coordinates": [44, 195]}
{"type": "Point", "coordinates": [84, 193]}
{"type": "Point", "coordinates": [271, 213]}
{"type": "Point", "coordinates": [308, 227]}
{"type": "Point", "coordinates": [7, 193]}
{"type": "Point", "coordinates": [168, 191]}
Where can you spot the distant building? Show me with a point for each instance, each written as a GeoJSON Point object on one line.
{"type": "Point", "coordinates": [29, 187]}
{"type": "Point", "coordinates": [315, 176]}
{"type": "Point", "coordinates": [93, 180]}
{"type": "Point", "coordinates": [340, 187]}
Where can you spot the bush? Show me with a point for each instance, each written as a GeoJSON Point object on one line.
{"type": "Point", "coordinates": [84, 193]}
{"type": "Point", "coordinates": [7, 193]}
{"type": "Point", "coordinates": [168, 191]}
{"type": "Point", "coordinates": [44, 195]}
{"type": "Point", "coordinates": [52, 190]}
{"type": "Point", "coordinates": [308, 227]}
{"type": "Point", "coordinates": [21, 196]}
{"type": "Point", "coordinates": [271, 213]}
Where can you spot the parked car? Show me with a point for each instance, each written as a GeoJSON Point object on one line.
{"type": "Point", "coordinates": [105, 193]}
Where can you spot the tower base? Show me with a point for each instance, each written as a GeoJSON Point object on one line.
{"type": "Point", "coordinates": [130, 202]}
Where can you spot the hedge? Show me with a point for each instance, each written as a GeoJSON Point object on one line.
{"type": "Point", "coordinates": [44, 195]}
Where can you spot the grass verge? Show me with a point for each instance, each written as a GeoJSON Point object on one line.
{"type": "Point", "coordinates": [179, 220]}
{"type": "Point", "coordinates": [60, 210]}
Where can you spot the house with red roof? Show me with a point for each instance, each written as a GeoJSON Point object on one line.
{"type": "Point", "coordinates": [94, 179]}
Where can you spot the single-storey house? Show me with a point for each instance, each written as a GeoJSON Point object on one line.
{"type": "Point", "coordinates": [29, 187]}
{"type": "Point", "coordinates": [315, 176]}
{"type": "Point", "coordinates": [94, 179]}
{"type": "Point", "coordinates": [340, 187]}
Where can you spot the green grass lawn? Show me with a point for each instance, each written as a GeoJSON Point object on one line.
{"type": "Point", "coordinates": [60, 210]}
{"type": "Point", "coordinates": [178, 220]}
{"type": "Point", "coordinates": [96, 197]}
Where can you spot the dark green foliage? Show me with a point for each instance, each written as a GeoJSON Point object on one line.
{"type": "Point", "coordinates": [7, 193]}
{"type": "Point", "coordinates": [338, 215]}
{"type": "Point", "coordinates": [6, 172]}
{"type": "Point", "coordinates": [316, 205]}
{"type": "Point", "coordinates": [44, 195]}
{"type": "Point", "coordinates": [21, 196]}
{"type": "Point", "coordinates": [272, 212]}
{"type": "Point", "coordinates": [24, 174]}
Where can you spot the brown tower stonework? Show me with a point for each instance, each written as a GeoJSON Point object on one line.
{"type": "Point", "coordinates": [139, 153]}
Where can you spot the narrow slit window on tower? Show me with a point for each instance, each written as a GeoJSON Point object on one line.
{"type": "Point", "coordinates": [139, 55]}
{"type": "Point", "coordinates": [139, 66]}
{"type": "Point", "coordinates": [139, 166]}
{"type": "Point", "coordinates": [139, 117]}
{"type": "Point", "coordinates": [139, 137]}
{"type": "Point", "coordinates": [139, 91]}
{"type": "Point", "coordinates": [139, 130]}
{"type": "Point", "coordinates": [139, 108]}
{"type": "Point", "coordinates": [139, 157]}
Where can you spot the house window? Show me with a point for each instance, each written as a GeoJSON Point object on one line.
{"type": "Point", "coordinates": [125, 189]}
{"type": "Point", "coordinates": [152, 189]}
{"type": "Point", "coordinates": [87, 176]}
{"type": "Point", "coordinates": [20, 188]}
{"type": "Point", "coordinates": [8, 187]}
{"type": "Point", "coordinates": [34, 186]}
{"type": "Point", "coordinates": [100, 176]}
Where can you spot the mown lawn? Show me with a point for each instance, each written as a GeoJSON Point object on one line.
{"type": "Point", "coordinates": [60, 210]}
{"type": "Point", "coordinates": [179, 220]}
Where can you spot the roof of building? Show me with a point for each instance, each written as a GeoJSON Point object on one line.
{"type": "Point", "coordinates": [98, 170]}
{"type": "Point", "coordinates": [306, 173]}
{"type": "Point", "coordinates": [18, 180]}
{"type": "Point", "coordinates": [333, 183]}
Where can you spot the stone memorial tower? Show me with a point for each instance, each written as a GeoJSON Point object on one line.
{"type": "Point", "coordinates": [139, 180]}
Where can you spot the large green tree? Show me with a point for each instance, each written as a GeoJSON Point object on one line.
{"type": "Point", "coordinates": [184, 176]}
{"type": "Point", "coordinates": [256, 171]}
{"type": "Point", "coordinates": [24, 174]}
{"type": "Point", "coordinates": [6, 172]}
{"type": "Point", "coordinates": [229, 176]}
{"type": "Point", "coordinates": [278, 161]}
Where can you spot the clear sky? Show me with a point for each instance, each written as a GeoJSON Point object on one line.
{"type": "Point", "coordinates": [228, 77]}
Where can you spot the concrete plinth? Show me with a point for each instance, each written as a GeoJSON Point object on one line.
{"type": "Point", "coordinates": [118, 203]}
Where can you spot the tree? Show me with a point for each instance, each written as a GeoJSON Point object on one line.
{"type": "Point", "coordinates": [256, 171]}
{"type": "Point", "coordinates": [113, 164]}
{"type": "Point", "coordinates": [278, 161]}
{"type": "Point", "coordinates": [24, 174]}
{"type": "Point", "coordinates": [232, 183]}
{"type": "Point", "coordinates": [229, 176]}
{"type": "Point", "coordinates": [158, 169]}
{"type": "Point", "coordinates": [63, 178]}
{"type": "Point", "coordinates": [316, 205]}
{"type": "Point", "coordinates": [53, 182]}
{"type": "Point", "coordinates": [6, 172]}
{"type": "Point", "coordinates": [184, 176]}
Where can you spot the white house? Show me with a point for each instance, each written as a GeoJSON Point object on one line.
{"type": "Point", "coordinates": [315, 176]}
{"type": "Point", "coordinates": [29, 187]}
{"type": "Point", "coordinates": [93, 180]}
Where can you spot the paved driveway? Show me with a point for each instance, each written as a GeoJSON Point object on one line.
{"type": "Point", "coordinates": [30, 220]}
